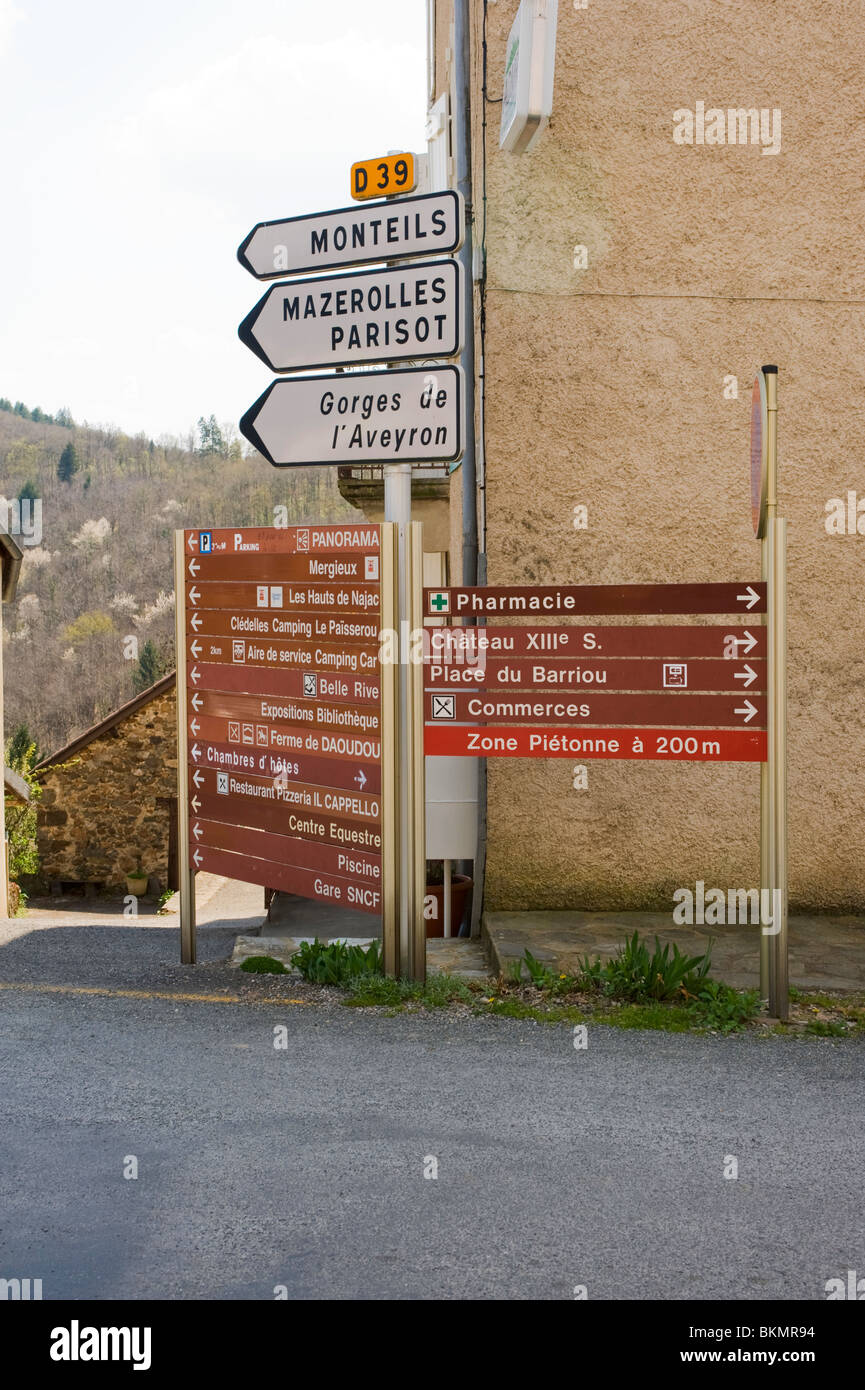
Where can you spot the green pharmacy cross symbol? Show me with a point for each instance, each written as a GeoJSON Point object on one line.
{"type": "Point", "coordinates": [440, 602]}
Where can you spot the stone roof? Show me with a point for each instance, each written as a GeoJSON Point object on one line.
{"type": "Point", "coordinates": [15, 784]}
{"type": "Point", "coordinates": [110, 722]}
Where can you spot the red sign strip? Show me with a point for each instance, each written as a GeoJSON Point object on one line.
{"type": "Point", "coordinates": [729, 641]}
{"type": "Point", "coordinates": [657, 745]}
{"type": "Point", "coordinates": [301, 854]}
{"type": "Point", "coordinates": [263, 625]}
{"type": "Point", "coordinates": [259, 680]}
{"type": "Point", "coordinates": [296, 823]}
{"type": "Point", "coordinates": [711, 710]}
{"type": "Point", "coordinates": [282, 540]}
{"type": "Point", "coordinates": [282, 738]}
{"type": "Point", "coordinates": [245, 790]}
{"type": "Point", "coordinates": [284, 656]}
{"type": "Point", "coordinates": [307, 883]}
{"type": "Point", "coordinates": [634, 673]}
{"type": "Point", "coordinates": [286, 597]}
{"type": "Point", "coordinates": [534, 600]}
{"type": "Point", "coordinates": [339, 770]}
{"type": "Point", "coordinates": [335, 569]}
{"type": "Point", "coordinates": [282, 710]}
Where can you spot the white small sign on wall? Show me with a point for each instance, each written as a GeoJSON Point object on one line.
{"type": "Point", "coordinates": [530, 60]}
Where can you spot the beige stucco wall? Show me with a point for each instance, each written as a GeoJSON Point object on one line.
{"type": "Point", "coordinates": [606, 387]}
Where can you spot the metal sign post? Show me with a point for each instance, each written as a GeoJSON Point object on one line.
{"type": "Point", "coordinates": [414, 965]}
{"type": "Point", "coordinates": [772, 530]}
{"type": "Point", "coordinates": [388, 676]}
{"type": "Point", "coordinates": [187, 873]}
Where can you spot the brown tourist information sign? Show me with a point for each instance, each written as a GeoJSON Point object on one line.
{"type": "Point", "coordinates": [453, 644]}
{"type": "Point", "coordinates": [338, 769]}
{"type": "Point", "coordinates": [535, 673]}
{"type": "Point", "coordinates": [485, 684]}
{"type": "Point", "coordinates": [282, 709]}
{"type": "Point", "coordinates": [639, 745]}
{"type": "Point", "coordinates": [532, 708]}
{"type": "Point", "coordinates": [556, 600]}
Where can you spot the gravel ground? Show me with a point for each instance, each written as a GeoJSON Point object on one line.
{"type": "Point", "coordinates": [263, 1166]}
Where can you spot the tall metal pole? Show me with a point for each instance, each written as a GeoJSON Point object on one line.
{"type": "Point", "coordinates": [766, 847]}
{"type": "Point", "coordinates": [463, 158]}
{"type": "Point", "coordinates": [187, 873]}
{"type": "Point", "coordinates": [774, 782]}
{"type": "Point", "coordinates": [779, 974]}
{"type": "Point", "coordinates": [397, 508]}
{"type": "Point", "coordinates": [414, 962]}
{"type": "Point", "coordinates": [390, 762]}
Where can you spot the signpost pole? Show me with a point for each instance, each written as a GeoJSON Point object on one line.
{"type": "Point", "coordinates": [415, 965]}
{"type": "Point", "coordinates": [390, 762]}
{"type": "Point", "coordinates": [779, 975]}
{"type": "Point", "coordinates": [774, 803]}
{"type": "Point", "coordinates": [397, 509]}
{"type": "Point", "coordinates": [187, 874]}
{"type": "Point", "coordinates": [766, 825]}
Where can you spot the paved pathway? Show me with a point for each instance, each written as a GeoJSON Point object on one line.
{"type": "Point", "coordinates": [825, 952]}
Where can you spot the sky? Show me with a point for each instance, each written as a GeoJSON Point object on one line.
{"type": "Point", "coordinates": [141, 142]}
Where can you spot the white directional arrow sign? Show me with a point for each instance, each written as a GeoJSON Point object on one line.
{"type": "Point", "coordinates": [748, 711]}
{"type": "Point", "coordinates": [194, 726]}
{"type": "Point", "coordinates": [196, 751]}
{"type": "Point", "coordinates": [366, 316]}
{"type": "Point", "coordinates": [749, 598]}
{"type": "Point", "coordinates": [198, 777]}
{"type": "Point", "coordinates": [196, 701]}
{"type": "Point", "coordinates": [194, 595]}
{"type": "Point", "coordinates": [196, 858]}
{"type": "Point", "coordinates": [382, 417]}
{"type": "Point", "coordinates": [194, 566]}
{"type": "Point", "coordinates": [361, 779]}
{"type": "Point", "coordinates": [194, 803]}
{"type": "Point", "coordinates": [195, 677]}
{"type": "Point", "coordinates": [196, 648]}
{"type": "Point", "coordinates": [748, 676]}
{"type": "Point", "coordinates": [197, 831]}
{"type": "Point", "coordinates": [431, 224]}
{"type": "Point", "coordinates": [749, 641]}
{"type": "Point", "coordinates": [196, 621]}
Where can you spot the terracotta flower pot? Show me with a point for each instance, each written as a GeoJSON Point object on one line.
{"type": "Point", "coordinates": [461, 886]}
{"type": "Point", "coordinates": [135, 885]}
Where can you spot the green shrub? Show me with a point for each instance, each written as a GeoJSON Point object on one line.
{"type": "Point", "coordinates": [370, 991]}
{"type": "Point", "coordinates": [336, 963]}
{"type": "Point", "coordinates": [633, 974]}
{"type": "Point", "coordinates": [22, 756]}
{"type": "Point", "coordinates": [263, 965]}
{"type": "Point", "coordinates": [723, 1009]}
{"type": "Point", "coordinates": [832, 1028]}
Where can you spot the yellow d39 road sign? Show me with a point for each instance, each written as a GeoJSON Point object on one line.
{"type": "Point", "coordinates": [382, 178]}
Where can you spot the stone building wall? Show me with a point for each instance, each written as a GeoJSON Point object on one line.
{"type": "Point", "coordinates": [634, 285]}
{"type": "Point", "coordinates": [109, 804]}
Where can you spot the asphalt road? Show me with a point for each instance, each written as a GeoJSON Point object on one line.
{"type": "Point", "coordinates": [304, 1167]}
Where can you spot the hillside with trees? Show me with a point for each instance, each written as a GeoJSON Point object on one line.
{"type": "Point", "coordinates": [93, 619]}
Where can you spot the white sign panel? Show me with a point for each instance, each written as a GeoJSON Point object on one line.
{"type": "Point", "coordinates": [530, 59]}
{"type": "Point", "coordinates": [369, 316]}
{"type": "Point", "coordinates": [429, 225]}
{"type": "Point", "coordinates": [412, 415]}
